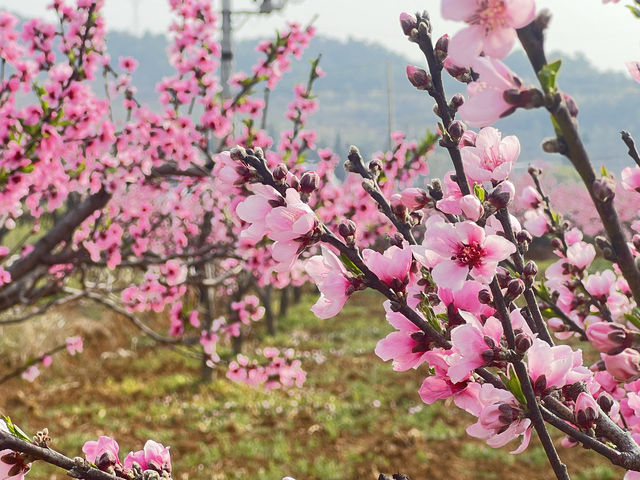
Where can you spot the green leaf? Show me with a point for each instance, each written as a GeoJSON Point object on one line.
{"type": "Point", "coordinates": [604, 172]}
{"type": "Point", "coordinates": [634, 10]}
{"type": "Point", "coordinates": [478, 191]}
{"type": "Point", "coordinates": [349, 265]}
{"type": "Point", "coordinates": [634, 317]}
{"type": "Point", "coordinates": [548, 75]}
{"type": "Point", "coordinates": [15, 430]}
{"type": "Point", "coordinates": [512, 382]}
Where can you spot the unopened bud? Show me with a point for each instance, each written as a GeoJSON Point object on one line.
{"type": "Point", "coordinates": [605, 402]}
{"type": "Point", "coordinates": [530, 269]}
{"type": "Point", "coordinates": [522, 343]}
{"type": "Point", "coordinates": [523, 236]}
{"type": "Point", "coordinates": [293, 182]}
{"type": "Point", "coordinates": [442, 48]}
{"type": "Point", "coordinates": [419, 78]}
{"type": "Point", "coordinates": [485, 297]}
{"type": "Point", "coordinates": [280, 173]}
{"type": "Point", "coordinates": [238, 153]}
{"type": "Point", "coordinates": [503, 277]}
{"type": "Point", "coordinates": [515, 288]}
{"type": "Point", "coordinates": [309, 182]}
{"type": "Point", "coordinates": [462, 74]}
{"type": "Point", "coordinates": [554, 145]}
{"type": "Point", "coordinates": [456, 101]}
{"type": "Point", "coordinates": [604, 189]}
{"type": "Point", "coordinates": [571, 105]}
{"type": "Point", "coordinates": [435, 190]}
{"type": "Point", "coordinates": [527, 99]}
{"type": "Point", "coordinates": [407, 23]}
{"type": "Point", "coordinates": [375, 166]}
{"type": "Point", "coordinates": [586, 410]}
{"type": "Point", "coordinates": [456, 130]}
{"type": "Point", "coordinates": [347, 229]}
{"type": "Point", "coordinates": [556, 243]}
{"type": "Point", "coordinates": [502, 196]}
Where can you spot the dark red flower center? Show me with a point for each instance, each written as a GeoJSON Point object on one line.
{"type": "Point", "coordinates": [469, 255]}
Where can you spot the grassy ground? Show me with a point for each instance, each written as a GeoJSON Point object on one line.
{"type": "Point", "coordinates": [354, 418]}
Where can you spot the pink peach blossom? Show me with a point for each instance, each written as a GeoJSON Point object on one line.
{"type": "Point", "coordinates": [492, 26]}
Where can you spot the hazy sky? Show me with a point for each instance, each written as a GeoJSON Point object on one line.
{"type": "Point", "coordinates": [607, 34]}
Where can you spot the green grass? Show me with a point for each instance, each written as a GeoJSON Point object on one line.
{"type": "Point", "coordinates": [354, 417]}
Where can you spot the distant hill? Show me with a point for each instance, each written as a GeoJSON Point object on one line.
{"type": "Point", "coordinates": [354, 97]}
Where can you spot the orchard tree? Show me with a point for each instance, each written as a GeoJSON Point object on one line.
{"type": "Point", "coordinates": [467, 306]}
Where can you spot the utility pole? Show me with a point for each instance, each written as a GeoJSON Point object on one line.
{"type": "Point", "coordinates": [226, 44]}
{"type": "Point", "coordinates": [136, 17]}
{"type": "Point", "coordinates": [226, 66]}
{"type": "Point", "coordinates": [389, 104]}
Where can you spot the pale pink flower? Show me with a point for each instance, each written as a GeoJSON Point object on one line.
{"type": "Point", "coordinates": [631, 178]}
{"type": "Point", "coordinates": [536, 222]}
{"type": "Point", "coordinates": [154, 456]}
{"type": "Point", "coordinates": [291, 227]}
{"type": "Point", "coordinates": [74, 345]}
{"type": "Point", "coordinates": [492, 157]}
{"type": "Point", "coordinates": [31, 373]}
{"type": "Point", "coordinates": [492, 26]}
{"type": "Point", "coordinates": [554, 367]}
{"type": "Point", "coordinates": [600, 284]}
{"type": "Point", "coordinates": [606, 336]}
{"type": "Point", "coordinates": [393, 264]}
{"type": "Point", "coordinates": [47, 360]}
{"type": "Point", "coordinates": [472, 342]}
{"type": "Point", "coordinates": [465, 249]}
{"type": "Point", "coordinates": [623, 366]}
{"type": "Point", "coordinates": [254, 210]}
{"type": "Point", "coordinates": [485, 102]}
{"type": "Point", "coordinates": [497, 423]}
{"type": "Point", "coordinates": [581, 254]}
{"type": "Point", "coordinates": [530, 198]}
{"type": "Point", "coordinates": [634, 68]}
{"type": "Point", "coordinates": [407, 346]}
{"type": "Point", "coordinates": [19, 468]}
{"type": "Point", "coordinates": [332, 279]}
{"type": "Point", "coordinates": [103, 452]}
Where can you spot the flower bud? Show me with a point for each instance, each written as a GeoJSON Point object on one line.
{"type": "Point", "coordinates": [515, 288]}
{"type": "Point", "coordinates": [522, 343]}
{"type": "Point", "coordinates": [606, 402]}
{"type": "Point", "coordinates": [554, 145]}
{"type": "Point", "coordinates": [530, 269]}
{"type": "Point", "coordinates": [586, 410]}
{"type": "Point", "coordinates": [309, 182]}
{"type": "Point", "coordinates": [442, 48]}
{"type": "Point", "coordinates": [456, 130]}
{"type": "Point", "coordinates": [280, 173]}
{"type": "Point", "coordinates": [408, 23]}
{"type": "Point", "coordinates": [556, 325]}
{"type": "Point", "coordinates": [462, 74]}
{"type": "Point", "coordinates": [347, 230]}
{"type": "Point", "coordinates": [238, 153]}
{"type": "Point", "coordinates": [485, 297]}
{"type": "Point", "coordinates": [456, 101]}
{"type": "Point", "coordinates": [624, 365]}
{"type": "Point", "coordinates": [607, 337]}
{"type": "Point", "coordinates": [419, 78]}
{"type": "Point", "coordinates": [528, 98]}
{"type": "Point", "coordinates": [375, 166]}
{"type": "Point", "coordinates": [471, 207]}
{"type": "Point", "coordinates": [571, 105]}
{"type": "Point", "coordinates": [414, 198]}
{"type": "Point", "coordinates": [604, 189]}
{"type": "Point", "coordinates": [523, 236]}
{"type": "Point", "coordinates": [502, 195]}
